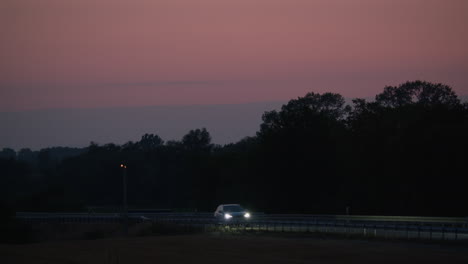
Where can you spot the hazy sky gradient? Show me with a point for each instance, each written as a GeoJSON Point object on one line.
{"type": "Point", "coordinates": [78, 127]}
{"type": "Point", "coordinates": [107, 53]}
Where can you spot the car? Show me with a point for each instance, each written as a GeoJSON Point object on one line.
{"type": "Point", "coordinates": [231, 212]}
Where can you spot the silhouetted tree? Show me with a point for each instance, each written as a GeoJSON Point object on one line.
{"type": "Point", "coordinates": [402, 154]}
{"type": "Point", "coordinates": [7, 153]}
{"type": "Point", "coordinates": [198, 139]}
{"type": "Point", "coordinates": [27, 155]}
{"type": "Point", "coordinates": [150, 142]}
{"type": "Point", "coordinates": [417, 92]}
{"type": "Point", "coordinates": [408, 147]}
{"type": "Point", "coordinates": [301, 149]}
{"type": "Point", "coordinates": [300, 111]}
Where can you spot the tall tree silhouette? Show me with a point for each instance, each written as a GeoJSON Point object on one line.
{"type": "Point", "coordinates": [401, 154]}
{"type": "Point", "coordinates": [301, 150]}
{"type": "Point", "coordinates": [418, 92]}
{"type": "Point", "coordinates": [198, 139]}
{"type": "Point", "coordinates": [150, 142]}
{"type": "Point", "coordinates": [410, 141]}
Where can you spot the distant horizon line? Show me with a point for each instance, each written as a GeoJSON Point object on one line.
{"type": "Point", "coordinates": [463, 98]}
{"type": "Point", "coordinates": [135, 106]}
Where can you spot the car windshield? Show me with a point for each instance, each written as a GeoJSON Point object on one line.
{"type": "Point", "coordinates": [233, 208]}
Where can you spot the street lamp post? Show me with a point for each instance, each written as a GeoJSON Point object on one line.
{"type": "Point", "coordinates": [125, 207]}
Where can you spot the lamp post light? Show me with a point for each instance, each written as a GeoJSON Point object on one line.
{"type": "Point", "coordinates": [125, 207]}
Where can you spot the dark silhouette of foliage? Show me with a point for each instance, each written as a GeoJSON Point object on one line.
{"type": "Point", "coordinates": [27, 155]}
{"type": "Point", "coordinates": [198, 139]}
{"type": "Point", "coordinates": [403, 154]}
{"type": "Point", "coordinates": [150, 142]}
{"type": "Point", "coordinates": [418, 92]}
{"type": "Point", "coordinates": [7, 153]}
{"type": "Point", "coordinates": [411, 141]}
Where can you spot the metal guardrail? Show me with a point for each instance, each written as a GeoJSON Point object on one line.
{"type": "Point", "coordinates": [377, 230]}
{"type": "Point", "coordinates": [443, 228]}
{"type": "Point", "coordinates": [424, 219]}
{"type": "Point", "coordinates": [285, 217]}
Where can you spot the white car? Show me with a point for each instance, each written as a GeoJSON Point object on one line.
{"type": "Point", "coordinates": [231, 212]}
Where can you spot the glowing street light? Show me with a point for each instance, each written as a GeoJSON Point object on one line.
{"type": "Point", "coordinates": [125, 208]}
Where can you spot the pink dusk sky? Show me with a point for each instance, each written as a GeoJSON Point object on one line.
{"type": "Point", "coordinates": [108, 53]}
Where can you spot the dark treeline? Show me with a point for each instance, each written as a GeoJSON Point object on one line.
{"type": "Point", "coordinates": [404, 153]}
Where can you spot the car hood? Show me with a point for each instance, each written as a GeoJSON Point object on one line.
{"type": "Point", "coordinates": [236, 213]}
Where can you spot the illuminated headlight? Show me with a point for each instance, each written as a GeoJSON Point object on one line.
{"type": "Point", "coordinates": [247, 215]}
{"type": "Point", "coordinates": [227, 216]}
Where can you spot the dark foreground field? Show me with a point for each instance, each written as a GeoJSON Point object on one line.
{"type": "Point", "coordinates": [227, 249]}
